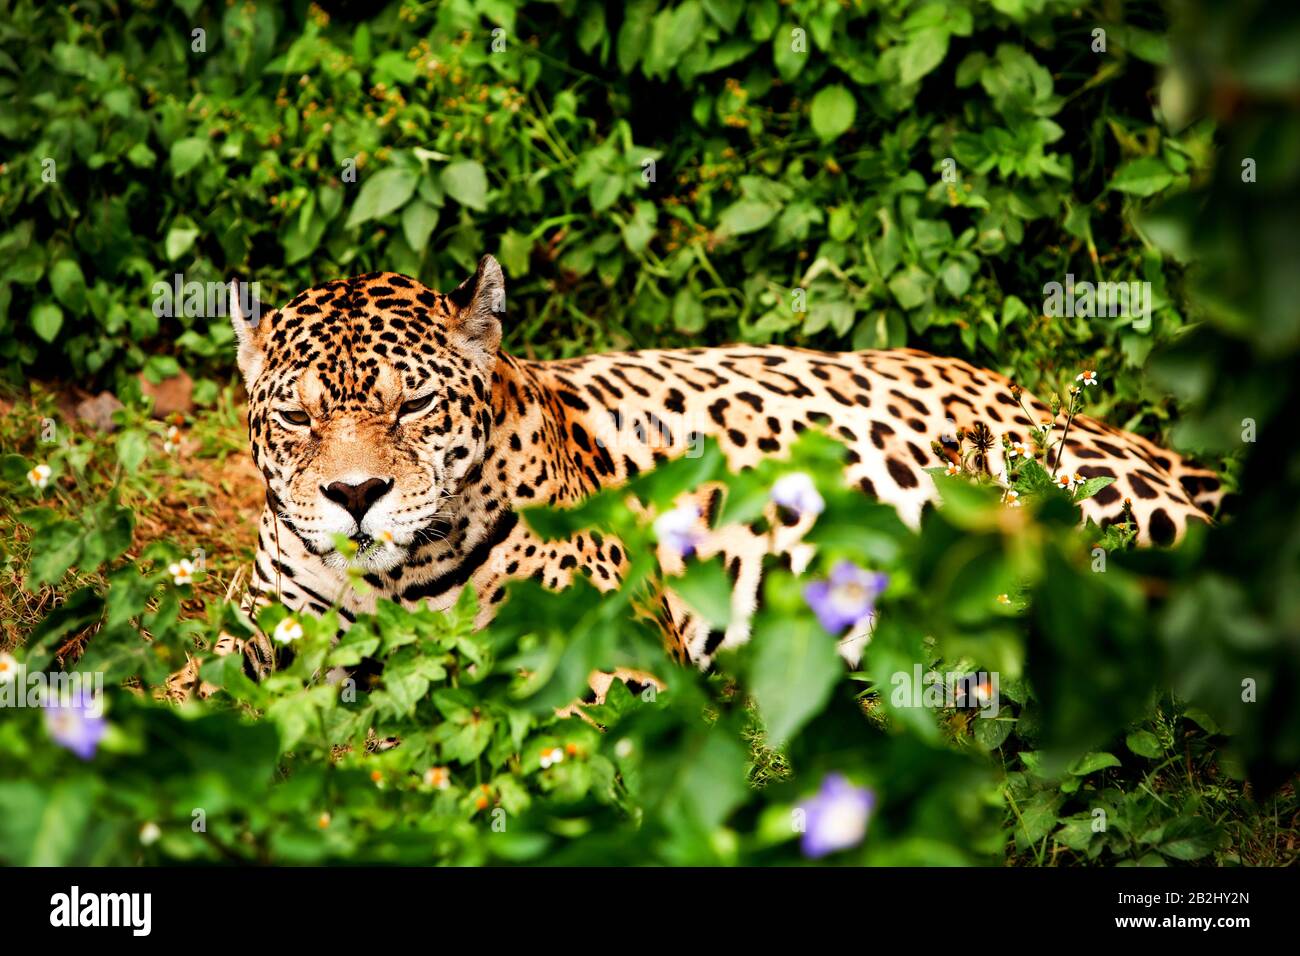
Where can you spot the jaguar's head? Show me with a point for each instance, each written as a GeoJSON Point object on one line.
{"type": "Point", "coordinates": [369, 401]}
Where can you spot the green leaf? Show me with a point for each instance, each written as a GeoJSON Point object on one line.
{"type": "Point", "coordinates": [418, 221]}
{"type": "Point", "coordinates": [1075, 833]}
{"type": "Point", "coordinates": [1091, 486]}
{"type": "Point", "coordinates": [725, 12]}
{"type": "Point", "coordinates": [513, 252]}
{"type": "Point", "coordinates": [1144, 744]}
{"type": "Point", "coordinates": [47, 319]}
{"type": "Point", "coordinates": [1037, 817]}
{"type": "Point", "coordinates": [922, 53]}
{"type": "Point", "coordinates": [745, 216]}
{"type": "Point", "coordinates": [1090, 763]}
{"type": "Point", "coordinates": [180, 239]}
{"type": "Point", "coordinates": [833, 112]}
{"type": "Point", "coordinates": [790, 50]}
{"type": "Point", "coordinates": [385, 191]}
{"type": "Point", "coordinates": [992, 732]}
{"type": "Point", "coordinates": [707, 589]}
{"type": "Point", "coordinates": [955, 279]}
{"type": "Point", "coordinates": [1188, 838]}
{"type": "Point", "coordinates": [604, 190]}
{"type": "Point", "coordinates": [1142, 177]}
{"type": "Point", "coordinates": [911, 287]}
{"type": "Point", "coordinates": [188, 153]}
{"type": "Point", "coordinates": [466, 182]}
{"type": "Point", "coordinates": [762, 17]}
{"type": "Point", "coordinates": [54, 550]}
{"type": "Point", "coordinates": [69, 284]}
{"type": "Point", "coordinates": [794, 665]}
{"type": "Point", "coordinates": [591, 28]}
{"type": "Point", "coordinates": [640, 227]}
{"type": "Point", "coordinates": [634, 34]}
{"type": "Point", "coordinates": [132, 447]}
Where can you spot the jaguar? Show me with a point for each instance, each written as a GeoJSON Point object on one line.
{"type": "Point", "coordinates": [399, 441]}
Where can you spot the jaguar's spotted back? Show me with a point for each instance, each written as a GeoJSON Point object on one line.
{"type": "Point", "coordinates": [383, 411]}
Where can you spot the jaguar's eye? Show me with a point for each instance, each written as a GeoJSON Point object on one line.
{"type": "Point", "coordinates": [295, 416]}
{"type": "Point", "coordinates": [414, 405]}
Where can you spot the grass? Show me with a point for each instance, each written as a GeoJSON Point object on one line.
{"type": "Point", "coordinates": [203, 497]}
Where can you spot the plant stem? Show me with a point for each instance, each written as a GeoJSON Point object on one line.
{"type": "Point", "coordinates": [1074, 407]}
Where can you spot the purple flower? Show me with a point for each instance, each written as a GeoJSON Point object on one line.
{"type": "Point", "coordinates": [76, 722]}
{"type": "Point", "coordinates": [836, 817]}
{"type": "Point", "coordinates": [797, 493]}
{"type": "Point", "coordinates": [679, 530]}
{"type": "Point", "coordinates": [847, 599]}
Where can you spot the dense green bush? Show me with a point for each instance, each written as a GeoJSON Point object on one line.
{"type": "Point", "coordinates": [647, 173]}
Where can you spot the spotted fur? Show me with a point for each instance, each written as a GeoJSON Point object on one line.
{"type": "Point", "coordinates": [384, 411]}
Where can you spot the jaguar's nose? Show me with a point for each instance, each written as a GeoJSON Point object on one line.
{"type": "Point", "coordinates": [357, 499]}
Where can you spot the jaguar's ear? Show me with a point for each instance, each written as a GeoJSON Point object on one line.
{"type": "Point", "coordinates": [250, 332]}
{"type": "Point", "coordinates": [481, 300]}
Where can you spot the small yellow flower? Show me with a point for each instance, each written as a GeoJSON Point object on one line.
{"type": "Point", "coordinates": [288, 631]}
{"type": "Point", "coordinates": [40, 476]}
{"type": "Point", "coordinates": [1004, 598]}
{"type": "Point", "coordinates": [385, 536]}
{"type": "Point", "coordinates": [1011, 498]}
{"type": "Point", "coordinates": [1020, 449]}
{"type": "Point", "coordinates": [953, 469]}
{"type": "Point", "coordinates": [182, 572]}
{"type": "Point", "coordinates": [1065, 482]}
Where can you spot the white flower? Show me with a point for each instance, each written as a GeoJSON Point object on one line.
{"type": "Point", "coordinates": [797, 492]}
{"type": "Point", "coordinates": [1065, 482]}
{"type": "Point", "coordinates": [149, 833]}
{"type": "Point", "coordinates": [1020, 449]}
{"type": "Point", "coordinates": [679, 529]}
{"type": "Point", "coordinates": [287, 631]}
{"type": "Point", "coordinates": [438, 778]}
{"type": "Point", "coordinates": [551, 757]}
{"type": "Point", "coordinates": [182, 572]}
{"type": "Point", "coordinates": [173, 442]}
{"type": "Point", "coordinates": [1087, 377]}
{"type": "Point", "coordinates": [623, 749]}
{"type": "Point", "coordinates": [1048, 423]}
{"type": "Point", "coordinates": [953, 469]}
{"type": "Point", "coordinates": [385, 537]}
{"type": "Point", "coordinates": [8, 667]}
{"type": "Point", "coordinates": [1011, 498]}
{"type": "Point", "coordinates": [40, 476]}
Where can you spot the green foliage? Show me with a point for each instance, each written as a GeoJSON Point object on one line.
{"type": "Point", "coordinates": [904, 168]}
{"type": "Point", "coordinates": [416, 738]}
